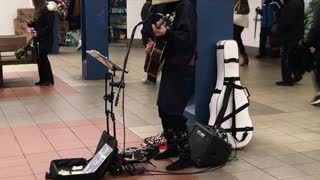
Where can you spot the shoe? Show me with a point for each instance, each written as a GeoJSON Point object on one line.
{"type": "Point", "coordinates": [245, 60]}
{"type": "Point", "coordinates": [316, 100]}
{"type": "Point", "coordinates": [79, 45]}
{"type": "Point", "coordinates": [38, 83]}
{"type": "Point", "coordinates": [180, 164]}
{"type": "Point", "coordinates": [147, 81]}
{"type": "Point", "coordinates": [45, 84]}
{"type": "Point", "coordinates": [284, 83]}
{"type": "Point", "coordinates": [169, 153]}
{"type": "Point", "coordinates": [145, 78]}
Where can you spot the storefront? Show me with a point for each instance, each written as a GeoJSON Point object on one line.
{"type": "Point", "coordinates": [117, 21]}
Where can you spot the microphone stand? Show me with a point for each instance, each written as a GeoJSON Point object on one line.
{"type": "Point", "coordinates": [121, 84]}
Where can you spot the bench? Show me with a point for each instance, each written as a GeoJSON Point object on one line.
{"type": "Point", "coordinates": [10, 44]}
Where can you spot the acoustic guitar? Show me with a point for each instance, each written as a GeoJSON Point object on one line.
{"type": "Point", "coordinates": [156, 60]}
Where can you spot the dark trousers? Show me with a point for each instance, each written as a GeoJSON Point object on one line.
{"type": "Point", "coordinates": [44, 68]}
{"type": "Point", "coordinates": [317, 70]}
{"type": "Point", "coordinates": [146, 63]}
{"type": "Point", "coordinates": [265, 32]}
{"type": "Point", "coordinates": [287, 69]}
{"type": "Point", "coordinates": [237, 31]}
{"type": "Point", "coordinates": [176, 88]}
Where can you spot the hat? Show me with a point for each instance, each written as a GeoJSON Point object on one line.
{"type": "Point", "coordinates": [163, 1]}
{"type": "Point", "coordinates": [52, 6]}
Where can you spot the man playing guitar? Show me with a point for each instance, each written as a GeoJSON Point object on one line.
{"type": "Point", "coordinates": [178, 77]}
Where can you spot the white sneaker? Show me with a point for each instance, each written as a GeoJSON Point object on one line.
{"type": "Point", "coordinates": [316, 100]}
{"type": "Point", "coordinates": [79, 45]}
{"type": "Point", "coordinates": [145, 78]}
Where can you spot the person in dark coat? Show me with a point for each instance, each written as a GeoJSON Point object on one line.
{"type": "Point", "coordinates": [178, 79]}
{"type": "Point", "coordinates": [147, 35]}
{"type": "Point", "coordinates": [270, 9]}
{"type": "Point", "coordinates": [43, 39]}
{"type": "Point", "coordinates": [313, 41]}
{"type": "Point", "coordinates": [291, 29]}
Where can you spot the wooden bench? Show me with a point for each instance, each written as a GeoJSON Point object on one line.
{"type": "Point", "coordinates": [9, 44]}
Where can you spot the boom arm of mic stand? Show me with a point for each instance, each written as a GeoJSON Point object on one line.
{"type": "Point", "coordinates": [121, 83]}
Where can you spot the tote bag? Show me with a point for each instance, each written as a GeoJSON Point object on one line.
{"type": "Point", "coordinates": [241, 14]}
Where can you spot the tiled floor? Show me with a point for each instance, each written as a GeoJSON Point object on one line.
{"type": "Point", "coordinates": [66, 120]}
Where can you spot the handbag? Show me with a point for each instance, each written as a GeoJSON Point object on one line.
{"type": "Point", "coordinates": [241, 20]}
{"type": "Point", "coordinates": [241, 13]}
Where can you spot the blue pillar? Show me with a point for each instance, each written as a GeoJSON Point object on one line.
{"type": "Point", "coordinates": [94, 30]}
{"type": "Point", "coordinates": [215, 23]}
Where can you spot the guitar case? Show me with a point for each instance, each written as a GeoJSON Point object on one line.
{"type": "Point", "coordinates": [229, 103]}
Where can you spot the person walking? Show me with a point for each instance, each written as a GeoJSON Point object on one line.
{"type": "Point", "coordinates": [291, 29]}
{"type": "Point", "coordinates": [269, 11]}
{"type": "Point", "coordinates": [241, 21]}
{"type": "Point", "coordinates": [313, 41]}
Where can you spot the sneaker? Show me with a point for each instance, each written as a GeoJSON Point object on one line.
{"type": "Point", "coordinates": [147, 81]}
{"type": "Point", "coordinates": [169, 153]}
{"type": "Point", "coordinates": [79, 45]}
{"type": "Point", "coordinates": [180, 164]}
{"type": "Point", "coordinates": [145, 78]}
{"type": "Point", "coordinates": [316, 100]}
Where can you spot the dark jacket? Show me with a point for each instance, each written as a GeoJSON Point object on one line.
{"type": "Point", "coordinates": [291, 22]}
{"type": "Point", "coordinates": [269, 10]}
{"type": "Point", "coordinates": [182, 36]}
{"type": "Point", "coordinates": [44, 27]}
{"type": "Point", "coordinates": [313, 39]}
{"type": "Point", "coordinates": [146, 29]}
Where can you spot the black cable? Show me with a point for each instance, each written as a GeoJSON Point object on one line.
{"type": "Point", "coordinates": [210, 169]}
{"type": "Point", "coordinates": [123, 124]}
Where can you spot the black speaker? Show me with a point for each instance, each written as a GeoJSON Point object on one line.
{"type": "Point", "coordinates": [207, 148]}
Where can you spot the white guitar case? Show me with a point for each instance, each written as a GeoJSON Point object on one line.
{"type": "Point", "coordinates": [229, 103]}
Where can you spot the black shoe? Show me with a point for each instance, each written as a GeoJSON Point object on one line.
{"type": "Point", "coordinates": [284, 83]}
{"type": "Point", "coordinates": [180, 164]}
{"type": "Point", "coordinates": [45, 84]}
{"type": "Point", "coordinates": [169, 153]}
{"type": "Point", "coordinates": [38, 83]}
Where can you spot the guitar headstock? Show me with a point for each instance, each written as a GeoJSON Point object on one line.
{"type": "Point", "coordinates": [166, 20]}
